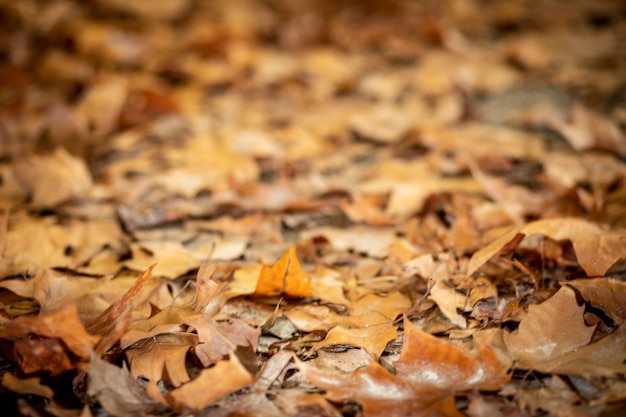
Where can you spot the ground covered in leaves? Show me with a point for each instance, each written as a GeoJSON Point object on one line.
{"type": "Point", "coordinates": [324, 208]}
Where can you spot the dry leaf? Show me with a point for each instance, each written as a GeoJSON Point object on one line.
{"type": "Point", "coordinates": [429, 361]}
{"type": "Point", "coordinates": [285, 276]}
{"type": "Point", "coordinates": [550, 330]}
{"type": "Point", "coordinates": [32, 386]}
{"type": "Point", "coordinates": [373, 339]}
{"type": "Point", "coordinates": [203, 390]}
{"type": "Point", "coordinates": [217, 339]}
{"type": "Point", "coordinates": [378, 391]}
{"type": "Point", "coordinates": [596, 249]}
{"type": "Point", "coordinates": [53, 179]}
{"type": "Point", "coordinates": [154, 357]}
{"type": "Point", "coordinates": [63, 324]}
{"type": "Point", "coordinates": [606, 357]}
{"type": "Point", "coordinates": [117, 391]}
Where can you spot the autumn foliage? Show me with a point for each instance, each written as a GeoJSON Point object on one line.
{"type": "Point", "coordinates": [328, 208]}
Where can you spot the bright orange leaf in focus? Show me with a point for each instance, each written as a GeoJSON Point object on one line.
{"type": "Point", "coordinates": [285, 276]}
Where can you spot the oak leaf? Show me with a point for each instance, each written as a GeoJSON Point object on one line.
{"type": "Point", "coordinates": [596, 249]}
{"type": "Point", "coordinates": [117, 391]}
{"type": "Point", "coordinates": [551, 329]}
{"type": "Point", "coordinates": [427, 360]}
{"type": "Point", "coordinates": [155, 356]}
{"type": "Point", "coordinates": [379, 392]}
{"type": "Point", "coordinates": [203, 390]}
{"type": "Point", "coordinates": [373, 339]}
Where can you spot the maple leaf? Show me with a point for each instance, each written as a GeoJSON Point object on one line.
{"type": "Point", "coordinates": [285, 276]}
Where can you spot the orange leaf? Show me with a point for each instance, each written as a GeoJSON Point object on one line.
{"type": "Point", "coordinates": [212, 384]}
{"type": "Point", "coordinates": [431, 361]}
{"type": "Point", "coordinates": [63, 324]}
{"type": "Point", "coordinates": [380, 392]}
{"type": "Point", "coordinates": [285, 276]}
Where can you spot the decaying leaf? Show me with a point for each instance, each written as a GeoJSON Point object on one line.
{"type": "Point", "coordinates": [417, 207]}
{"type": "Point", "coordinates": [379, 392]}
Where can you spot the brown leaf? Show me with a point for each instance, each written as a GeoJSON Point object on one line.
{"type": "Point", "coordinates": [36, 355]}
{"type": "Point", "coordinates": [154, 357]}
{"type": "Point", "coordinates": [112, 323]}
{"type": "Point", "coordinates": [427, 360]}
{"type": "Point", "coordinates": [63, 324]}
{"type": "Point", "coordinates": [26, 385]}
{"type": "Point", "coordinates": [285, 276]}
{"type": "Point", "coordinates": [218, 339]}
{"type": "Point", "coordinates": [606, 357]}
{"type": "Point", "coordinates": [53, 179]}
{"type": "Point", "coordinates": [609, 295]}
{"type": "Point", "coordinates": [379, 391]}
{"type": "Point", "coordinates": [204, 390]}
{"type": "Point", "coordinates": [596, 249]}
{"type": "Point", "coordinates": [373, 339]}
{"type": "Point", "coordinates": [550, 330]}
{"type": "Point", "coordinates": [117, 391]}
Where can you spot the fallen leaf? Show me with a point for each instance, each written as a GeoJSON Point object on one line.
{"type": "Point", "coordinates": [42, 355]}
{"type": "Point", "coordinates": [217, 339]}
{"type": "Point", "coordinates": [285, 276]}
{"type": "Point", "coordinates": [596, 249]}
{"type": "Point", "coordinates": [113, 323]}
{"type": "Point", "coordinates": [204, 389]}
{"type": "Point", "coordinates": [378, 391]}
{"type": "Point", "coordinates": [32, 386]}
{"type": "Point", "coordinates": [63, 324]}
{"type": "Point", "coordinates": [427, 360]}
{"type": "Point", "coordinates": [117, 391]}
{"type": "Point", "coordinates": [53, 179]}
{"type": "Point", "coordinates": [605, 358]}
{"type": "Point", "coordinates": [154, 357]}
{"type": "Point", "coordinates": [373, 339]}
{"type": "Point", "coordinates": [609, 295]}
{"type": "Point", "coordinates": [550, 330]}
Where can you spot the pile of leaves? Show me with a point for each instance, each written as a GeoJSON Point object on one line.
{"type": "Point", "coordinates": [290, 208]}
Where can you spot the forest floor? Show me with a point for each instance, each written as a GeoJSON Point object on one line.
{"type": "Point", "coordinates": [312, 208]}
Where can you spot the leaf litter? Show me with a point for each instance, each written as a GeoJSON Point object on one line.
{"type": "Point", "coordinates": [312, 208]}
